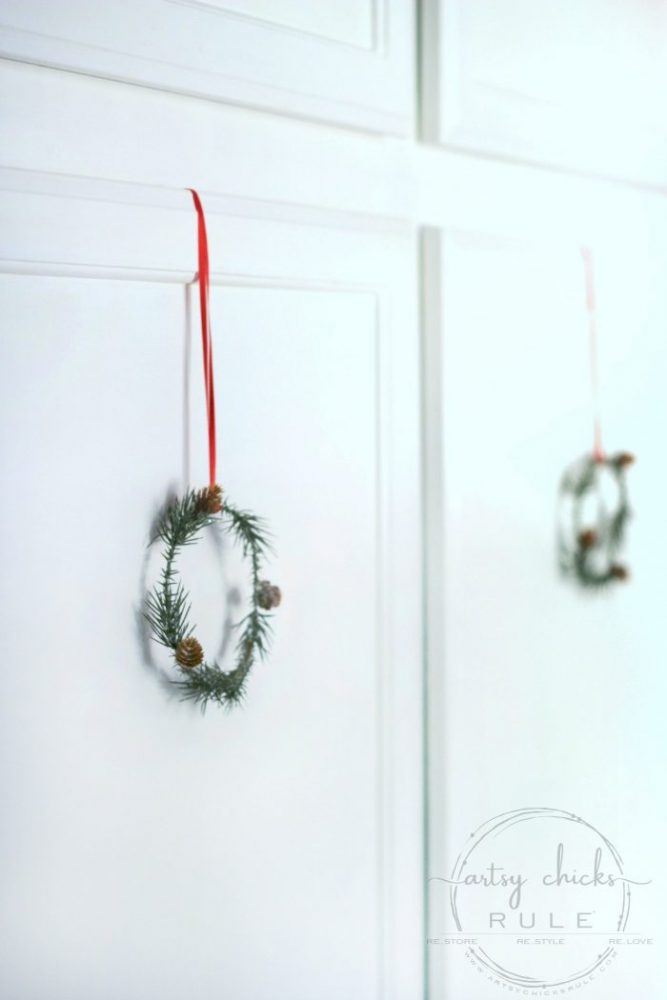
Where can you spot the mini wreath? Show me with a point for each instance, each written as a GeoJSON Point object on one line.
{"type": "Point", "coordinates": [589, 547]}
{"type": "Point", "coordinates": [167, 606]}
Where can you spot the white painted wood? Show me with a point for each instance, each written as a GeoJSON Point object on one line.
{"type": "Point", "coordinates": [277, 844]}
{"type": "Point", "coordinates": [579, 84]}
{"type": "Point", "coordinates": [84, 224]}
{"type": "Point", "coordinates": [51, 121]}
{"type": "Point", "coordinates": [349, 63]}
{"type": "Point", "coordinates": [316, 799]}
{"type": "Point", "coordinates": [539, 695]}
{"type": "Point", "coordinates": [344, 21]}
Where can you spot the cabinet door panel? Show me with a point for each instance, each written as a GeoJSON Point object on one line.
{"type": "Point", "coordinates": [579, 83]}
{"type": "Point", "coordinates": [279, 843]}
{"type": "Point", "coordinates": [349, 63]}
{"type": "Point", "coordinates": [540, 694]}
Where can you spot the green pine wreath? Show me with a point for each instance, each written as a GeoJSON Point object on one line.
{"type": "Point", "coordinates": [167, 606]}
{"type": "Point", "coordinates": [589, 549]}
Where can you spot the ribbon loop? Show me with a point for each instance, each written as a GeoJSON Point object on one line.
{"type": "Point", "coordinates": [203, 278]}
{"type": "Point", "coordinates": [587, 256]}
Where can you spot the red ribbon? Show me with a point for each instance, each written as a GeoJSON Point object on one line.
{"type": "Point", "coordinates": [598, 450]}
{"type": "Point", "coordinates": [207, 344]}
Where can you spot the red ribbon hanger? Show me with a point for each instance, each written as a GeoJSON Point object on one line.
{"type": "Point", "coordinates": [587, 256]}
{"type": "Point", "coordinates": [203, 277]}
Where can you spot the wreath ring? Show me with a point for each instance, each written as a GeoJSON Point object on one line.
{"type": "Point", "coordinates": [589, 551]}
{"type": "Point", "coordinates": [167, 606]}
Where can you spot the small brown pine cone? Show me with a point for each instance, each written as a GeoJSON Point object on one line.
{"type": "Point", "coordinates": [209, 500]}
{"type": "Point", "coordinates": [276, 596]}
{"type": "Point", "coordinates": [619, 572]}
{"type": "Point", "coordinates": [624, 458]}
{"type": "Point", "coordinates": [189, 653]}
{"type": "Point", "coordinates": [268, 595]}
{"type": "Point", "coordinates": [588, 538]}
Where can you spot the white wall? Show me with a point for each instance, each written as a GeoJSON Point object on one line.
{"type": "Point", "coordinates": [277, 852]}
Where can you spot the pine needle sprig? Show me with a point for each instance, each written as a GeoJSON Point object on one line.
{"type": "Point", "coordinates": [167, 606]}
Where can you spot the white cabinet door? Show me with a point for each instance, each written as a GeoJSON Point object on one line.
{"type": "Point", "coordinates": [351, 63]}
{"type": "Point", "coordinates": [541, 696]}
{"type": "Point", "coordinates": [273, 851]}
{"type": "Point", "coordinates": [578, 83]}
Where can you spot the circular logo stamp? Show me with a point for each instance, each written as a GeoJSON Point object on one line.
{"type": "Point", "coordinates": [541, 897]}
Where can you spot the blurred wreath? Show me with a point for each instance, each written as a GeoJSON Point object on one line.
{"type": "Point", "coordinates": [592, 528]}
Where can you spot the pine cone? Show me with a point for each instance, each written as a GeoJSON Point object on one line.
{"type": "Point", "coordinates": [588, 538]}
{"type": "Point", "coordinates": [268, 595]}
{"type": "Point", "coordinates": [209, 500]}
{"type": "Point", "coordinates": [189, 653]}
{"type": "Point", "coordinates": [619, 572]}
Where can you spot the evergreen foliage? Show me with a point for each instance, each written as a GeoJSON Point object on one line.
{"type": "Point", "coordinates": [589, 551]}
{"type": "Point", "coordinates": [167, 607]}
